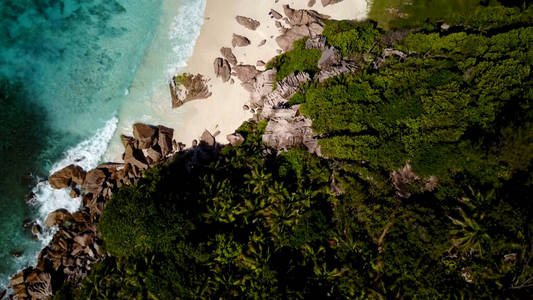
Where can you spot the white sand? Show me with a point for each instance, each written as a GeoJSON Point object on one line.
{"type": "Point", "coordinates": [223, 111]}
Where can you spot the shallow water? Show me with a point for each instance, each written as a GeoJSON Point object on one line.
{"type": "Point", "coordinates": [79, 64]}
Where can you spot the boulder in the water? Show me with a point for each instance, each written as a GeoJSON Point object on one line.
{"type": "Point", "coordinates": [64, 177]}
{"type": "Point", "coordinates": [58, 217]}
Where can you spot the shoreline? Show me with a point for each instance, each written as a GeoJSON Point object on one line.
{"type": "Point", "coordinates": [223, 112]}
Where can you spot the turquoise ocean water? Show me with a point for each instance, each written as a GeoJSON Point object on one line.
{"type": "Point", "coordinates": [66, 71]}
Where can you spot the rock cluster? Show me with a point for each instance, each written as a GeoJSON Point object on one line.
{"type": "Point", "coordinates": [188, 87]}
{"type": "Point", "coordinates": [76, 245]}
{"type": "Point", "coordinates": [406, 182]}
{"type": "Point", "coordinates": [222, 68]}
{"type": "Point", "coordinates": [303, 23]}
{"type": "Point", "coordinates": [286, 127]}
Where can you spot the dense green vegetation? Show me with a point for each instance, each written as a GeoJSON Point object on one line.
{"type": "Point", "coordinates": [298, 59]}
{"type": "Point", "coordinates": [427, 14]}
{"type": "Point", "coordinates": [250, 223]}
{"type": "Point", "coordinates": [351, 37]}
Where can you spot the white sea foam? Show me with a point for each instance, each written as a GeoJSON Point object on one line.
{"type": "Point", "coordinates": [184, 31]}
{"type": "Point", "coordinates": [87, 155]}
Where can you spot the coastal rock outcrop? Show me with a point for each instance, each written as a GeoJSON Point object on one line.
{"type": "Point", "coordinates": [303, 16]}
{"type": "Point", "coordinates": [164, 140]}
{"type": "Point", "coordinates": [94, 181]}
{"type": "Point", "coordinates": [32, 283]}
{"type": "Point", "coordinates": [58, 217]}
{"type": "Point", "coordinates": [144, 134]}
{"type": "Point", "coordinates": [188, 87]}
{"type": "Point", "coordinates": [222, 68]}
{"type": "Point", "coordinates": [304, 23]}
{"type": "Point", "coordinates": [248, 22]}
{"type": "Point", "coordinates": [239, 41]}
{"type": "Point", "coordinates": [77, 245]}
{"type": "Point", "coordinates": [66, 176]}
{"type": "Point", "coordinates": [287, 128]}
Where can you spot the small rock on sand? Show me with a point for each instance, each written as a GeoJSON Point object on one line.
{"type": "Point", "coordinates": [276, 14]}
{"type": "Point", "coordinates": [239, 41]}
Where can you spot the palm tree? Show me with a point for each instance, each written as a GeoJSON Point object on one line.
{"type": "Point", "coordinates": [469, 236]}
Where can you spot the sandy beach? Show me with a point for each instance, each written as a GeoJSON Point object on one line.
{"type": "Point", "coordinates": [223, 111]}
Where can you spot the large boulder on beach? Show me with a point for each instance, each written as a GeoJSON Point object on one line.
{"type": "Point", "coordinates": [246, 72]}
{"type": "Point", "coordinates": [188, 87]}
{"type": "Point", "coordinates": [164, 139]}
{"type": "Point", "coordinates": [227, 53]}
{"type": "Point", "coordinates": [248, 22]}
{"type": "Point", "coordinates": [94, 181]}
{"type": "Point", "coordinates": [58, 217]}
{"type": "Point", "coordinates": [222, 69]}
{"type": "Point", "coordinates": [239, 41]}
{"type": "Point", "coordinates": [64, 177]}
{"type": "Point", "coordinates": [144, 134]}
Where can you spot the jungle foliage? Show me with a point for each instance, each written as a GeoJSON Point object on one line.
{"type": "Point", "coordinates": [254, 224]}
{"type": "Point", "coordinates": [299, 59]}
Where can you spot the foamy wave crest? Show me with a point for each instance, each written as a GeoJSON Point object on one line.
{"type": "Point", "coordinates": [184, 32]}
{"type": "Point", "coordinates": [87, 155]}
